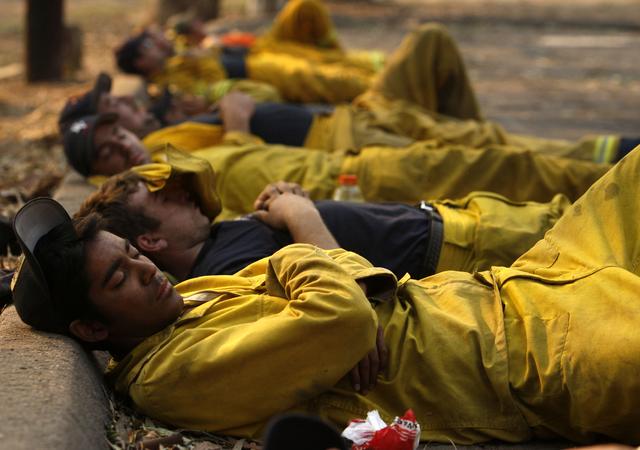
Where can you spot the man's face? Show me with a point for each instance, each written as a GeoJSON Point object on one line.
{"type": "Point", "coordinates": [130, 115]}
{"type": "Point", "coordinates": [152, 55]}
{"type": "Point", "coordinates": [133, 296]}
{"type": "Point", "coordinates": [182, 223]}
{"type": "Point", "coordinates": [160, 40]}
{"type": "Point", "coordinates": [116, 150]}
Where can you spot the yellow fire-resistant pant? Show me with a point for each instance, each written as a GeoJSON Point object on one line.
{"type": "Point", "coordinates": [311, 75]}
{"type": "Point", "coordinates": [427, 69]}
{"type": "Point", "coordinates": [422, 88]}
{"type": "Point", "coordinates": [572, 315]}
{"type": "Point", "coordinates": [556, 336]}
{"type": "Point", "coordinates": [423, 79]}
{"type": "Point", "coordinates": [382, 121]}
{"type": "Point", "coordinates": [485, 229]}
{"type": "Point", "coordinates": [423, 93]}
{"type": "Point", "coordinates": [425, 170]}
{"type": "Point", "coordinates": [302, 57]}
{"type": "Point", "coordinates": [422, 171]}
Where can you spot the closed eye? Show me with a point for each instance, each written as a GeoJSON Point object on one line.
{"type": "Point", "coordinates": [104, 152]}
{"type": "Point", "coordinates": [161, 197]}
{"type": "Point", "coordinates": [134, 255]}
{"type": "Point", "coordinates": [122, 280]}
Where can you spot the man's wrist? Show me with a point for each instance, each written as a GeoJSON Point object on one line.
{"type": "Point", "coordinates": [308, 216]}
{"type": "Point", "coordinates": [237, 124]}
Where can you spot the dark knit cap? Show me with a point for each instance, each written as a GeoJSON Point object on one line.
{"type": "Point", "coordinates": [85, 104]}
{"type": "Point", "coordinates": [79, 147]}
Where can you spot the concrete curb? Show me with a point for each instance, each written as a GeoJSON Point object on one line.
{"type": "Point", "coordinates": [72, 191]}
{"type": "Point", "coordinates": [51, 391]}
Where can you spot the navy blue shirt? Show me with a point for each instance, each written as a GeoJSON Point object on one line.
{"type": "Point", "coordinates": [389, 235]}
{"type": "Point", "coordinates": [274, 123]}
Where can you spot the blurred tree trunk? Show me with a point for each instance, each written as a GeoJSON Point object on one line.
{"type": "Point", "coordinates": [72, 50]}
{"type": "Point", "coordinates": [203, 9]}
{"type": "Point", "coordinates": [44, 55]}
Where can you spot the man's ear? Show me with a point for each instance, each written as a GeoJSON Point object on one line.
{"type": "Point", "coordinates": [149, 243]}
{"type": "Point", "coordinates": [89, 330]}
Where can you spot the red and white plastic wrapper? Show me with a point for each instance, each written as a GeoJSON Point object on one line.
{"type": "Point", "coordinates": [374, 434]}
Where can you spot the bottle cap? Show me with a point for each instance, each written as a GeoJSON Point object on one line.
{"type": "Point", "coordinates": [348, 179]}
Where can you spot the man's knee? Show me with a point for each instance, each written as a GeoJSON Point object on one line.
{"type": "Point", "coordinates": [433, 32]}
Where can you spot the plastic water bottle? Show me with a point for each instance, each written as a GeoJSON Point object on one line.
{"type": "Point", "coordinates": [348, 190]}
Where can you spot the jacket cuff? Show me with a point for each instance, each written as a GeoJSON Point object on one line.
{"type": "Point", "coordinates": [240, 138]}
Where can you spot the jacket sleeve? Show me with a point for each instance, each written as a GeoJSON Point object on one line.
{"type": "Point", "coordinates": [381, 283]}
{"type": "Point", "coordinates": [261, 354]}
{"type": "Point", "coordinates": [240, 138]}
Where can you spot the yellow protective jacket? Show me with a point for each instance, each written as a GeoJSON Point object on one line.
{"type": "Point", "coordinates": [187, 136]}
{"type": "Point", "coordinates": [204, 76]}
{"type": "Point", "coordinates": [213, 353]}
{"type": "Point", "coordinates": [548, 347]}
{"type": "Point", "coordinates": [283, 334]}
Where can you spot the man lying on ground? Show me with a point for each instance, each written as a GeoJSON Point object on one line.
{"type": "Point", "coordinates": [424, 170]}
{"type": "Point", "coordinates": [509, 353]}
{"type": "Point", "coordinates": [300, 71]}
{"type": "Point", "coordinates": [171, 120]}
{"type": "Point", "coordinates": [169, 222]}
{"type": "Point", "coordinates": [406, 102]}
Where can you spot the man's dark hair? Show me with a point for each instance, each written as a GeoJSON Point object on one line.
{"type": "Point", "coordinates": [111, 203]}
{"type": "Point", "coordinates": [61, 254]}
{"type": "Point", "coordinates": [129, 52]}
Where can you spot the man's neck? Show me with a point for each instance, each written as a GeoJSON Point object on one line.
{"type": "Point", "coordinates": [179, 262]}
{"type": "Point", "coordinates": [149, 127]}
{"type": "Point", "coordinates": [119, 348]}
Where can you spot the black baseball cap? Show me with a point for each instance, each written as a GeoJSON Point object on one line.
{"type": "Point", "coordinates": [79, 147]}
{"type": "Point", "coordinates": [31, 294]}
{"type": "Point", "coordinates": [128, 52]}
{"type": "Point", "coordinates": [294, 431]}
{"type": "Point", "coordinates": [85, 104]}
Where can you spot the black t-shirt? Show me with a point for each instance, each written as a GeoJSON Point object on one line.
{"type": "Point", "coordinates": [274, 123]}
{"type": "Point", "coordinates": [234, 61]}
{"type": "Point", "coordinates": [234, 244]}
{"type": "Point", "coordinates": [389, 235]}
